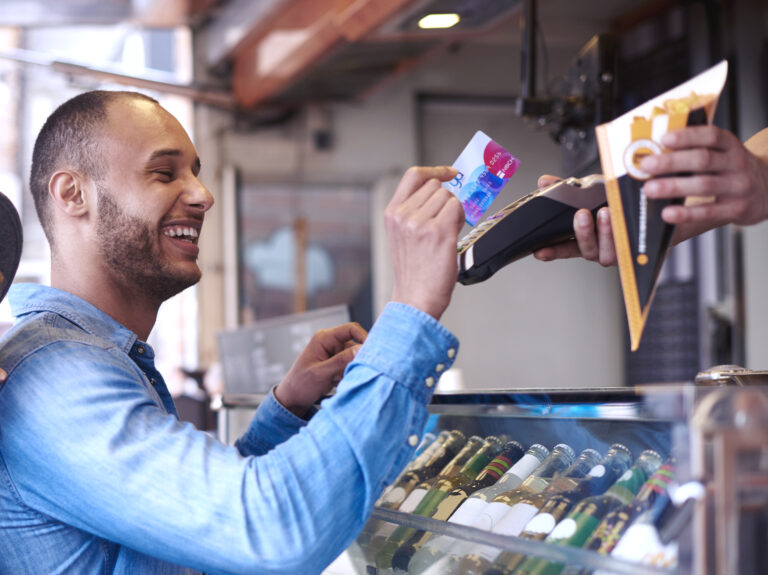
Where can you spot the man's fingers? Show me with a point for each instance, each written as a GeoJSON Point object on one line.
{"type": "Point", "coordinates": [415, 177]}
{"type": "Point", "coordinates": [436, 197]}
{"type": "Point", "coordinates": [452, 210]}
{"type": "Point", "coordinates": [337, 338]}
{"type": "Point", "coordinates": [332, 369]}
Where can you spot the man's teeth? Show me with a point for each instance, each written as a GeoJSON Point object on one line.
{"type": "Point", "coordinates": [181, 232]}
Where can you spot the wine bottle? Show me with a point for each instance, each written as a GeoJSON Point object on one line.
{"type": "Point", "coordinates": [462, 468]}
{"type": "Point", "coordinates": [554, 506]}
{"type": "Point", "coordinates": [560, 458]}
{"type": "Point", "coordinates": [517, 515]}
{"type": "Point", "coordinates": [436, 547]}
{"type": "Point", "coordinates": [649, 504]}
{"type": "Point", "coordinates": [583, 519]}
{"type": "Point", "coordinates": [445, 508]}
{"type": "Point", "coordinates": [439, 454]}
{"type": "Point", "coordinates": [429, 464]}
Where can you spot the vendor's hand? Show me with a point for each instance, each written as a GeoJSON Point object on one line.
{"type": "Point", "coordinates": [423, 221]}
{"type": "Point", "coordinates": [724, 181]}
{"type": "Point", "coordinates": [3, 375]}
{"type": "Point", "coordinates": [319, 367]}
{"type": "Point", "coordinates": [593, 243]}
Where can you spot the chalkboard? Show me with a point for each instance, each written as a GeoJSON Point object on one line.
{"type": "Point", "coordinates": [256, 357]}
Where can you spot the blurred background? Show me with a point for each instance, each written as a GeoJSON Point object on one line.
{"type": "Point", "coordinates": [306, 113]}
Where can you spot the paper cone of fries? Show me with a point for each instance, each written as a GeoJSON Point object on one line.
{"type": "Point", "coordinates": [642, 239]}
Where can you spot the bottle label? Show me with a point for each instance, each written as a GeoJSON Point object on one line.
{"type": "Point", "coordinates": [574, 530]}
{"type": "Point", "coordinates": [523, 467]}
{"type": "Point", "coordinates": [393, 496]}
{"type": "Point", "coordinates": [412, 500]}
{"type": "Point", "coordinates": [516, 518]}
{"type": "Point", "coordinates": [467, 511]}
{"type": "Point", "coordinates": [627, 475]}
{"type": "Point", "coordinates": [491, 515]}
{"type": "Point", "coordinates": [565, 529]}
{"type": "Point", "coordinates": [541, 524]}
{"type": "Point", "coordinates": [641, 544]}
{"type": "Point", "coordinates": [597, 471]}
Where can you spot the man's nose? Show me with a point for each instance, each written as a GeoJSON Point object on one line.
{"type": "Point", "coordinates": [199, 196]}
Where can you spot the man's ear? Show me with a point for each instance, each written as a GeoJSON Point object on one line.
{"type": "Point", "coordinates": [69, 193]}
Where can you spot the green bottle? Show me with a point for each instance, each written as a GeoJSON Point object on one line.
{"type": "Point", "coordinates": [511, 452]}
{"type": "Point", "coordinates": [652, 499]}
{"type": "Point", "coordinates": [473, 557]}
{"type": "Point", "coordinates": [464, 465]}
{"type": "Point", "coordinates": [437, 547]}
{"type": "Point", "coordinates": [553, 507]}
{"type": "Point", "coordinates": [584, 518]}
{"type": "Point", "coordinates": [431, 461]}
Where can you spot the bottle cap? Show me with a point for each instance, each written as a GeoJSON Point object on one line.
{"type": "Point", "coordinates": [566, 449]}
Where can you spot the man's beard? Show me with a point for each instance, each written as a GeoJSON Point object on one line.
{"type": "Point", "coordinates": [127, 246]}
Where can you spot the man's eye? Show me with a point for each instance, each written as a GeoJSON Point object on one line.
{"type": "Point", "coordinates": [164, 174]}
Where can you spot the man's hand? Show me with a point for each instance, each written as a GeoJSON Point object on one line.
{"type": "Point", "coordinates": [3, 375]}
{"type": "Point", "coordinates": [724, 182]}
{"type": "Point", "coordinates": [423, 221]}
{"type": "Point", "coordinates": [319, 367]}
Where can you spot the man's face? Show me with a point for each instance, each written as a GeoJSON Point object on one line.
{"type": "Point", "coordinates": [150, 204]}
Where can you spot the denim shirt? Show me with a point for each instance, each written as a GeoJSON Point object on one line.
{"type": "Point", "coordinates": [98, 475]}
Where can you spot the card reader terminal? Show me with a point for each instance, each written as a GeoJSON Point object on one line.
{"type": "Point", "coordinates": [537, 220]}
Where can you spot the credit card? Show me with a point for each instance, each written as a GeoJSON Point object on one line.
{"type": "Point", "coordinates": [484, 168]}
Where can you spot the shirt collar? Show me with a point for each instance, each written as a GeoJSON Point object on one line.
{"type": "Point", "coordinates": [27, 298]}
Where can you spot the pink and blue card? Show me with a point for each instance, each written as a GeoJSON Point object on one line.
{"type": "Point", "coordinates": [484, 168]}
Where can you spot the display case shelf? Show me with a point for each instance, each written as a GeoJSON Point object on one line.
{"type": "Point", "coordinates": [718, 433]}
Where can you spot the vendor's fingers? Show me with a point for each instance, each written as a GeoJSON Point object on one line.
{"type": "Point", "coordinates": [586, 236]}
{"type": "Point", "coordinates": [561, 251]}
{"type": "Point", "coordinates": [700, 136]}
{"type": "Point", "coordinates": [712, 213]}
{"type": "Point", "coordinates": [696, 185]}
{"type": "Point", "coordinates": [699, 160]}
{"type": "Point", "coordinates": [605, 241]}
{"type": "Point", "coordinates": [546, 180]}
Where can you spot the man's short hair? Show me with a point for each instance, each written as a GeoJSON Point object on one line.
{"type": "Point", "coordinates": [71, 139]}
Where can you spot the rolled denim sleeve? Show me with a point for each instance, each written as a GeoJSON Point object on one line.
{"type": "Point", "coordinates": [96, 452]}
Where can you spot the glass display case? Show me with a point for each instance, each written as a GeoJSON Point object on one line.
{"type": "Point", "coordinates": [712, 434]}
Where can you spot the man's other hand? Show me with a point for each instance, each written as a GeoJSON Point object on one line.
{"type": "Point", "coordinates": [319, 367]}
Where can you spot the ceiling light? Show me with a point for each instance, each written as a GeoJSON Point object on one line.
{"type": "Point", "coordinates": [438, 21]}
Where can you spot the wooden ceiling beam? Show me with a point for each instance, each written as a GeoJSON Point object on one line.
{"type": "Point", "coordinates": [296, 38]}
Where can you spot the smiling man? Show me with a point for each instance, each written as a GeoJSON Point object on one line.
{"type": "Point", "coordinates": [97, 474]}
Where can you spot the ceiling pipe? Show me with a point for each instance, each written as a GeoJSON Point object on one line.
{"type": "Point", "coordinates": [151, 80]}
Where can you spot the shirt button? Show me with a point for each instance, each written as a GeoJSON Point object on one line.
{"type": "Point", "coordinates": [439, 367]}
{"type": "Point", "coordinates": [153, 381]}
{"type": "Point", "coordinates": [430, 381]}
{"type": "Point", "coordinates": [413, 440]}
{"type": "Point", "coordinates": [451, 353]}
{"type": "Point", "coordinates": [141, 349]}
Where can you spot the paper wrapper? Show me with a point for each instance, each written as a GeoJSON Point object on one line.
{"type": "Point", "coordinates": [642, 239]}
